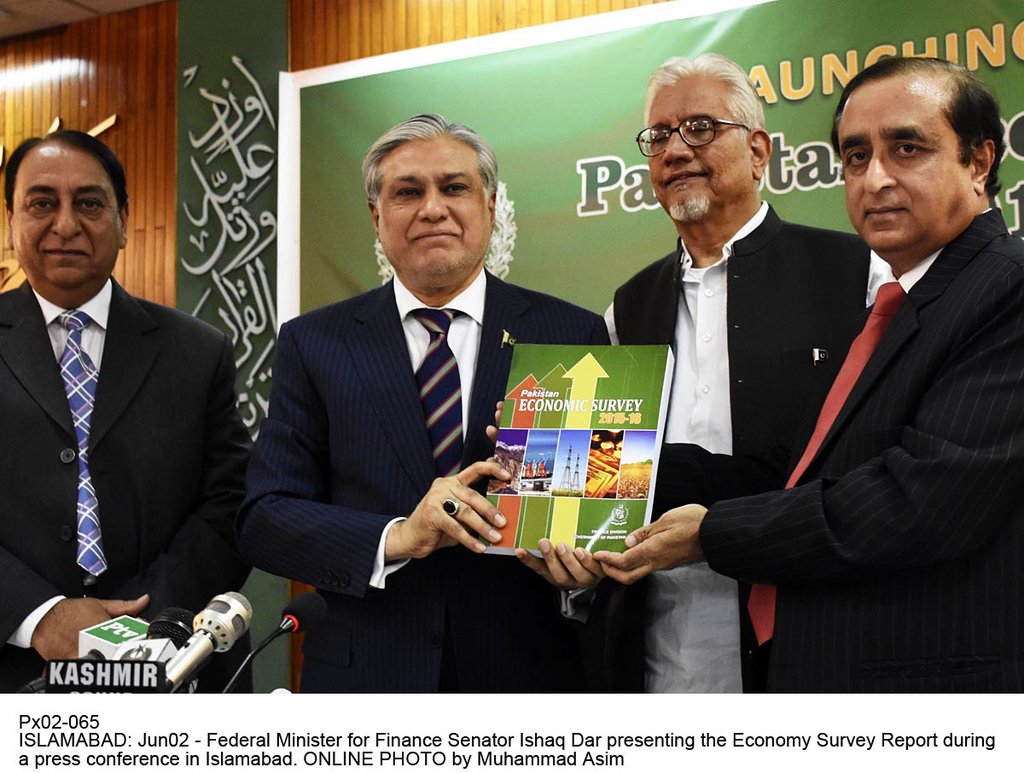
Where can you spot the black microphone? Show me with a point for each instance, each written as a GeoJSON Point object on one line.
{"type": "Point", "coordinates": [167, 634]}
{"type": "Point", "coordinates": [224, 621]}
{"type": "Point", "coordinates": [173, 623]}
{"type": "Point", "coordinates": [302, 613]}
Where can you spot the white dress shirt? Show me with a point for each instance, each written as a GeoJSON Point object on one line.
{"type": "Point", "coordinates": [907, 280]}
{"type": "Point", "coordinates": [692, 637]}
{"type": "Point", "coordinates": [94, 335]}
{"type": "Point", "coordinates": [464, 341]}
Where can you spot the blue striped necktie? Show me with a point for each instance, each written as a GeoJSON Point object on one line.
{"type": "Point", "coordinates": [80, 378]}
{"type": "Point", "coordinates": [441, 391]}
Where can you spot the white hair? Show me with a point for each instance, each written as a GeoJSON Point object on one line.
{"type": "Point", "coordinates": [742, 100]}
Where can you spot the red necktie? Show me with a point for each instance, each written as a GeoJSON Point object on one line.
{"type": "Point", "coordinates": [761, 604]}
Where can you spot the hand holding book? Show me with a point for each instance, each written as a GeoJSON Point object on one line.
{"type": "Point", "coordinates": [430, 527]}
{"type": "Point", "coordinates": [672, 540]}
{"type": "Point", "coordinates": [564, 568]}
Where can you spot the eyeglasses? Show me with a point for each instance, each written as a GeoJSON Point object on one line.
{"type": "Point", "coordinates": [695, 132]}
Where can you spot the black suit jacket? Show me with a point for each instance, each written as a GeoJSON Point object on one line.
{"type": "Point", "coordinates": [345, 450]}
{"type": "Point", "coordinates": [167, 455]}
{"type": "Point", "coordinates": [792, 290]}
{"type": "Point", "coordinates": [900, 561]}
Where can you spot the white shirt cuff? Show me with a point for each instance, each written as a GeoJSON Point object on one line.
{"type": "Point", "coordinates": [381, 570]}
{"type": "Point", "coordinates": [22, 636]}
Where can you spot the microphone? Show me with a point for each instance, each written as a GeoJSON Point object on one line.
{"type": "Point", "coordinates": [107, 636]}
{"type": "Point", "coordinates": [167, 633]}
{"type": "Point", "coordinates": [173, 623]}
{"type": "Point", "coordinates": [302, 613]}
{"type": "Point", "coordinates": [99, 642]}
{"type": "Point", "coordinates": [226, 618]}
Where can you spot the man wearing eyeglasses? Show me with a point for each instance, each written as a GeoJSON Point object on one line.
{"type": "Point", "coordinates": [894, 552]}
{"type": "Point", "coordinates": [759, 313]}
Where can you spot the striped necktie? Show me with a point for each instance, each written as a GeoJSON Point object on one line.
{"type": "Point", "coordinates": [441, 391]}
{"type": "Point", "coordinates": [80, 378]}
{"type": "Point", "coordinates": [761, 603]}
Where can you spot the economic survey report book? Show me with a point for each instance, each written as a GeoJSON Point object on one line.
{"type": "Point", "coordinates": [581, 433]}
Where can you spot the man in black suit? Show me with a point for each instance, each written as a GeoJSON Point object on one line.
{"type": "Point", "coordinates": [896, 551]}
{"type": "Point", "coordinates": [349, 491]}
{"type": "Point", "coordinates": [759, 313]}
{"type": "Point", "coordinates": [163, 450]}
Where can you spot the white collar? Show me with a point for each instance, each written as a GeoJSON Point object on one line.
{"type": "Point", "coordinates": [913, 276]}
{"type": "Point", "coordinates": [909, 278]}
{"type": "Point", "coordinates": [97, 307]}
{"type": "Point", "coordinates": [470, 301]}
{"type": "Point", "coordinates": [748, 228]}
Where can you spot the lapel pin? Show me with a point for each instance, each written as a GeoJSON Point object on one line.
{"type": "Point", "coordinates": [507, 338]}
{"type": "Point", "coordinates": [819, 355]}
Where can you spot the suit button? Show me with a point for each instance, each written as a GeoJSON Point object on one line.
{"type": "Point", "coordinates": [435, 641]}
{"type": "Point", "coordinates": [68, 455]}
{"type": "Point", "coordinates": [66, 533]}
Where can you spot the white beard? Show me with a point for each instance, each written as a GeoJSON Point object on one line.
{"type": "Point", "coordinates": [694, 209]}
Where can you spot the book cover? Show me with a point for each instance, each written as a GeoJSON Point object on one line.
{"type": "Point", "coordinates": [581, 433]}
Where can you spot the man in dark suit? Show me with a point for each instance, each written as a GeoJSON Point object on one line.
{"type": "Point", "coordinates": [759, 313]}
{"type": "Point", "coordinates": [349, 490]}
{"type": "Point", "coordinates": [160, 452]}
{"type": "Point", "coordinates": [896, 550]}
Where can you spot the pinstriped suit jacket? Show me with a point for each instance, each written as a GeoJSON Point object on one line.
{"type": "Point", "coordinates": [344, 451]}
{"type": "Point", "coordinates": [900, 558]}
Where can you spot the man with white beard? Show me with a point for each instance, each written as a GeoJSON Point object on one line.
{"type": "Point", "coordinates": [759, 314]}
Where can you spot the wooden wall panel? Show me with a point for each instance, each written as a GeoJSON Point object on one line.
{"type": "Point", "coordinates": [121, 64]}
{"type": "Point", "coordinates": [325, 32]}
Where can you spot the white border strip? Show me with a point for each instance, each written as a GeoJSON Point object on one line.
{"type": "Point", "coordinates": [539, 35]}
{"type": "Point", "coordinates": [288, 204]}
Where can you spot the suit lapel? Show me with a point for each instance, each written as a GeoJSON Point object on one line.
{"type": "Point", "coordinates": [129, 351]}
{"type": "Point", "coordinates": [904, 326]}
{"type": "Point", "coordinates": [380, 358]}
{"type": "Point", "coordinates": [503, 307]}
{"type": "Point", "coordinates": [26, 349]}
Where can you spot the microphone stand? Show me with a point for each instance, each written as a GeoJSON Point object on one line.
{"type": "Point", "coordinates": [285, 626]}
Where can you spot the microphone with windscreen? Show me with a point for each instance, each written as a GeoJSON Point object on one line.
{"type": "Point", "coordinates": [172, 623]}
{"type": "Point", "coordinates": [224, 621]}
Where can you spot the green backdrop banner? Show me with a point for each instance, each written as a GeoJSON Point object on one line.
{"type": "Point", "coordinates": [562, 116]}
{"type": "Point", "coordinates": [230, 53]}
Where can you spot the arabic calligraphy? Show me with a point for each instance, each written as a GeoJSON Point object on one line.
{"type": "Point", "coordinates": [231, 226]}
